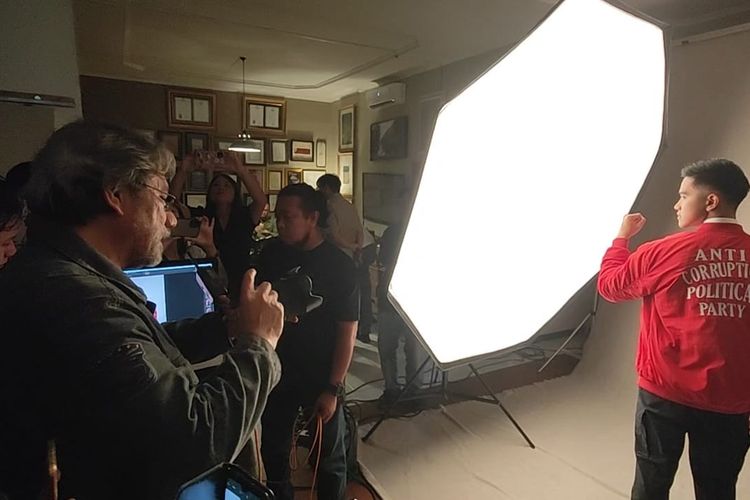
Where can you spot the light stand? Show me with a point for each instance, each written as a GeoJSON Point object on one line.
{"type": "Point", "coordinates": [492, 399]}
{"type": "Point", "coordinates": [589, 317]}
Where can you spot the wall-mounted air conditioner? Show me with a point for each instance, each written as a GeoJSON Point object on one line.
{"type": "Point", "coordinates": [393, 93]}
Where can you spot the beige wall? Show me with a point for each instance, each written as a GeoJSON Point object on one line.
{"type": "Point", "coordinates": [37, 54]}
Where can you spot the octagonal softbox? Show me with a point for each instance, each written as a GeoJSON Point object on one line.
{"type": "Point", "coordinates": [547, 150]}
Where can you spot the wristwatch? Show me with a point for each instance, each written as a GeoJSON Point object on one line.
{"type": "Point", "coordinates": [337, 390]}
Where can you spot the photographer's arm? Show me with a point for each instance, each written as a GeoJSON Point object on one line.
{"type": "Point", "coordinates": [233, 164]}
{"type": "Point", "coordinates": [177, 184]}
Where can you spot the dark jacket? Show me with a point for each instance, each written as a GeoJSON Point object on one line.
{"type": "Point", "coordinates": [83, 362]}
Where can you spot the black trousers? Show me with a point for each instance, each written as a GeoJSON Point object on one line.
{"type": "Point", "coordinates": [278, 421]}
{"type": "Point", "coordinates": [718, 443]}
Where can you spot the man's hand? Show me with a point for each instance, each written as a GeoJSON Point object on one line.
{"type": "Point", "coordinates": [631, 225]}
{"type": "Point", "coordinates": [259, 311]}
{"type": "Point", "coordinates": [325, 406]}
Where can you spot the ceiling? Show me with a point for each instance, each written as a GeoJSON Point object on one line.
{"type": "Point", "coordinates": [322, 50]}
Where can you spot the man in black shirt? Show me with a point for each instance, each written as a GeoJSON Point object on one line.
{"type": "Point", "coordinates": [315, 352]}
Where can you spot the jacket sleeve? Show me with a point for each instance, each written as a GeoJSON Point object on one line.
{"type": "Point", "coordinates": [200, 339]}
{"type": "Point", "coordinates": [138, 385]}
{"type": "Point", "coordinates": [624, 275]}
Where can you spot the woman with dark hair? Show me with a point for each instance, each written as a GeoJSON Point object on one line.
{"type": "Point", "coordinates": [233, 222]}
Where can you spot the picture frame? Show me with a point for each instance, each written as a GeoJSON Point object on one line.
{"type": "Point", "coordinates": [311, 176]}
{"type": "Point", "coordinates": [258, 158]}
{"type": "Point", "coordinates": [292, 176]}
{"type": "Point", "coordinates": [272, 198]}
{"type": "Point", "coordinates": [346, 173]}
{"type": "Point", "coordinates": [172, 141]}
{"type": "Point", "coordinates": [275, 180]}
{"type": "Point", "coordinates": [278, 151]}
{"type": "Point", "coordinates": [346, 129]}
{"type": "Point", "coordinates": [197, 181]}
{"type": "Point", "coordinates": [195, 200]}
{"type": "Point", "coordinates": [222, 143]}
{"type": "Point", "coordinates": [195, 141]}
{"type": "Point", "coordinates": [260, 174]}
{"type": "Point", "coordinates": [264, 116]}
{"type": "Point", "coordinates": [320, 153]}
{"type": "Point", "coordinates": [389, 139]}
{"type": "Point", "coordinates": [191, 109]}
{"type": "Point", "coordinates": [302, 150]}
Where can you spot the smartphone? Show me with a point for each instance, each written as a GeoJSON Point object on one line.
{"type": "Point", "coordinates": [224, 482]}
{"type": "Point", "coordinates": [187, 228]}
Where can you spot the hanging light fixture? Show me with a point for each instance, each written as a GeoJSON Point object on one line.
{"type": "Point", "coordinates": [243, 143]}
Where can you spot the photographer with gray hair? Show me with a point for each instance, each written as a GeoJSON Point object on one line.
{"type": "Point", "coordinates": [85, 363]}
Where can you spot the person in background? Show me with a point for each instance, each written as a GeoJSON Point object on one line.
{"type": "Point", "coordinates": [391, 328]}
{"type": "Point", "coordinates": [693, 357]}
{"type": "Point", "coordinates": [86, 365]}
{"type": "Point", "coordinates": [366, 258]}
{"type": "Point", "coordinates": [315, 351]}
{"type": "Point", "coordinates": [11, 221]}
{"type": "Point", "coordinates": [233, 223]}
{"type": "Point", "coordinates": [344, 228]}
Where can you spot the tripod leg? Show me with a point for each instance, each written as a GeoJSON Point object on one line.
{"type": "Point", "coordinates": [387, 411]}
{"type": "Point", "coordinates": [500, 405]}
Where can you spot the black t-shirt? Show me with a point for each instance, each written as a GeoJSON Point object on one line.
{"type": "Point", "coordinates": [234, 244]}
{"type": "Point", "coordinates": [389, 243]}
{"type": "Point", "coordinates": [306, 348]}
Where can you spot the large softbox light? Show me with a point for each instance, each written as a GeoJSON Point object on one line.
{"type": "Point", "coordinates": [549, 148]}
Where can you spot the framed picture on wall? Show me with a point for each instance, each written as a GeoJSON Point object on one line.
{"type": "Point", "coordinates": [320, 153]}
{"type": "Point", "coordinates": [278, 149]}
{"type": "Point", "coordinates": [346, 129]}
{"type": "Point", "coordinates": [260, 174]}
{"type": "Point", "coordinates": [272, 201]}
{"type": "Point", "coordinates": [173, 142]}
{"type": "Point", "coordinates": [195, 200]}
{"type": "Point", "coordinates": [346, 173]}
{"type": "Point", "coordinates": [195, 141]}
{"type": "Point", "coordinates": [264, 116]}
{"type": "Point", "coordinates": [223, 143]}
{"type": "Point", "coordinates": [311, 176]}
{"type": "Point", "coordinates": [292, 176]}
{"type": "Point", "coordinates": [275, 180]}
{"type": "Point", "coordinates": [302, 150]}
{"type": "Point", "coordinates": [198, 181]}
{"type": "Point", "coordinates": [258, 158]}
{"type": "Point", "coordinates": [190, 109]}
{"type": "Point", "coordinates": [388, 139]}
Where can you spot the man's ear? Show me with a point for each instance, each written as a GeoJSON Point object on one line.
{"type": "Point", "coordinates": [712, 202]}
{"type": "Point", "coordinates": [113, 198]}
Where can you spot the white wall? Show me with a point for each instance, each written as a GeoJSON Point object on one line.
{"type": "Point", "coordinates": [37, 54]}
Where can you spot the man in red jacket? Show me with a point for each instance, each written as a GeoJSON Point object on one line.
{"type": "Point", "coordinates": [693, 358]}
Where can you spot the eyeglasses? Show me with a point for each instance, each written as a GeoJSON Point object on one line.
{"type": "Point", "coordinates": [168, 198]}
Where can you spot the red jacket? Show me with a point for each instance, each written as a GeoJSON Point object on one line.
{"type": "Point", "coordinates": [694, 344]}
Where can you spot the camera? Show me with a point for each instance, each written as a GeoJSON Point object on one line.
{"type": "Point", "coordinates": [295, 294]}
{"type": "Point", "coordinates": [187, 228]}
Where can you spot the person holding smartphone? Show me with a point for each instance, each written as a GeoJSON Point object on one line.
{"type": "Point", "coordinates": [233, 223]}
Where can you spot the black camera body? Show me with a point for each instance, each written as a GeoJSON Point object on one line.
{"type": "Point", "coordinates": [295, 293]}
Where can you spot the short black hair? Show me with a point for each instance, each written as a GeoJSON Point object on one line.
{"type": "Point", "coordinates": [310, 200]}
{"type": "Point", "coordinates": [330, 181]}
{"type": "Point", "coordinates": [721, 175]}
{"type": "Point", "coordinates": [18, 176]}
{"type": "Point", "coordinates": [11, 206]}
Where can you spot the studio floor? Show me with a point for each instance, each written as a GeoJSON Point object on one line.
{"type": "Point", "coordinates": [581, 425]}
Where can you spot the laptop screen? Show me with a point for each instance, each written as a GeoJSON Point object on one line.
{"type": "Point", "coordinates": [175, 288]}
